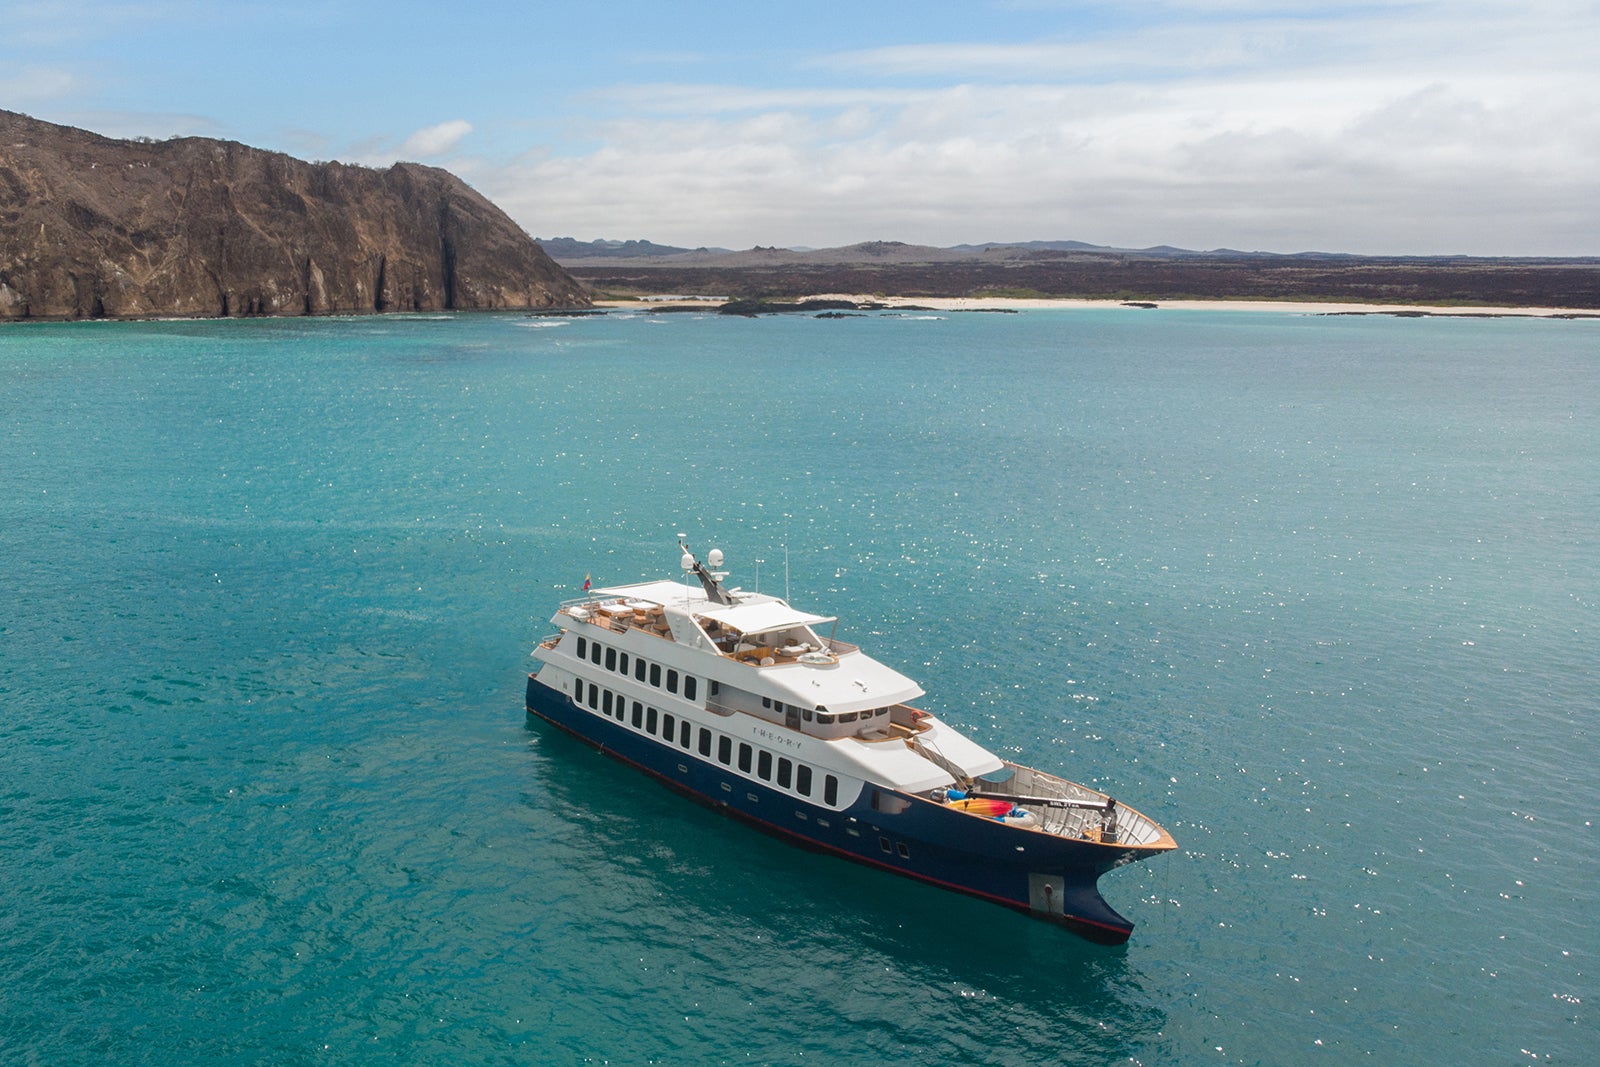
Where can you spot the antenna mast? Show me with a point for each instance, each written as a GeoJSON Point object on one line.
{"type": "Point", "coordinates": [710, 581]}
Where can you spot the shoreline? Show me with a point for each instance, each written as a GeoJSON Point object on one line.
{"type": "Point", "coordinates": [1296, 307]}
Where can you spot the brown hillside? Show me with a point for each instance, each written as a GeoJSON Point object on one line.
{"type": "Point", "coordinates": [94, 227]}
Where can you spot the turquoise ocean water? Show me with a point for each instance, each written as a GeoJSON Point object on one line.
{"type": "Point", "coordinates": [1317, 593]}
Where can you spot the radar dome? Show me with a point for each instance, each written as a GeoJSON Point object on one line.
{"type": "Point", "coordinates": [714, 557]}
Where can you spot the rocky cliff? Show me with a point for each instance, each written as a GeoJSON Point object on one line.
{"type": "Point", "coordinates": [92, 227]}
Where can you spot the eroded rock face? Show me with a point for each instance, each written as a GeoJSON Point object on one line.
{"type": "Point", "coordinates": [92, 227]}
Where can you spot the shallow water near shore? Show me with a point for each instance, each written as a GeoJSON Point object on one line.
{"type": "Point", "coordinates": [1316, 593]}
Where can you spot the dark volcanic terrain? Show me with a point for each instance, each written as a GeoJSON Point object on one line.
{"type": "Point", "coordinates": [93, 227]}
{"type": "Point", "coordinates": [1072, 269]}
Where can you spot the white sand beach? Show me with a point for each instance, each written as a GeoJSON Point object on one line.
{"type": "Point", "coordinates": [1296, 307]}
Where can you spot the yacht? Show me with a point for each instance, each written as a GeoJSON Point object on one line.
{"type": "Point", "coordinates": [754, 707]}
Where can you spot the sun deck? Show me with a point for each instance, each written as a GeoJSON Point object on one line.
{"type": "Point", "coordinates": [793, 641]}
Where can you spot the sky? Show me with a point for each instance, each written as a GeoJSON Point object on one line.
{"type": "Point", "coordinates": [1467, 127]}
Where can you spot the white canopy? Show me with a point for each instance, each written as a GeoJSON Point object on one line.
{"type": "Point", "coordinates": [761, 617]}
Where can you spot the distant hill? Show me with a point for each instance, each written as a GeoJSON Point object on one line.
{"type": "Point", "coordinates": [562, 249]}
{"type": "Point", "coordinates": [1035, 246]}
{"type": "Point", "coordinates": [93, 227]}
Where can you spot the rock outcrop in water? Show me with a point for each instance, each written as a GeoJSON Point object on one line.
{"type": "Point", "coordinates": [92, 227]}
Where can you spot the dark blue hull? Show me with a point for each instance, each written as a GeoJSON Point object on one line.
{"type": "Point", "coordinates": [1050, 877]}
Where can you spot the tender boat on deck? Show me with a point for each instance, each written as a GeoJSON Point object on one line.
{"type": "Point", "coordinates": [738, 700]}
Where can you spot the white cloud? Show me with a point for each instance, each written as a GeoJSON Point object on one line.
{"type": "Point", "coordinates": [1473, 128]}
{"type": "Point", "coordinates": [1378, 126]}
{"type": "Point", "coordinates": [432, 141]}
{"type": "Point", "coordinates": [1366, 167]}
